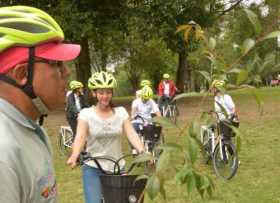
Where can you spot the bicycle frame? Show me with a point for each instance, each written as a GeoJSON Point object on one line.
{"type": "Point", "coordinates": [210, 136]}
{"type": "Point", "coordinates": [216, 138]}
{"type": "Point", "coordinates": [67, 140]}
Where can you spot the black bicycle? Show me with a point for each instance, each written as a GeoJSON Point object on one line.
{"type": "Point", "coordinates": [118, 185]}
{"type": "Point", "coordinates": [150, 135]}
{"type": "Point", "coordinates": [220, 148]}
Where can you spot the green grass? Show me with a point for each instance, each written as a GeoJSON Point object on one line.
{"type": "Point", "coordinates": [257, 179]}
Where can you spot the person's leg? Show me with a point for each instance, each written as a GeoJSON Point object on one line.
{"type": "Point", "coordinates": [73, 124]}
{"type": "Point", "coordinates": [92, 184]}
{"type": "Point", "coordinates": [136, 127]}
{"type": "Point", "coordinates": [160, 101]}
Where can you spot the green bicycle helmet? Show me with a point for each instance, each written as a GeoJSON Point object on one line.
{"type": "Point", "coordinates": [147, 92]}
{"type": "Point", "coordinates": [74, 84]}
{"type": "Point", "coordinates": [145, 83]}
{"type": "Point", "coordinates": [218, 84]}
{"type": "Point", "coordinates": [27, 26]}
{"type": "Point", "coordinates": [166, 76]}
{"type": "Point", "coordinates": [102, 80]}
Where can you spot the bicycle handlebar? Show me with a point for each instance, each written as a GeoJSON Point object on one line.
{"type": "Point", "coordinates": [117, 169]}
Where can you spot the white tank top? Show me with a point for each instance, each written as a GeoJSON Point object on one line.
{"type": "Point", "coordinates": [104, 137]}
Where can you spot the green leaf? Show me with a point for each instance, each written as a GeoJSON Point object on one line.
{"type": "Point", "coordinates": [153, 186]}
{"type": "Point", "coordinates": [163, 121]}
{"type": "Point", "coordinates": [205, 183]}
{"type": "Point", "coordinates": [184, 95]}
{"type": "Point", "coordinates": [210, 191]}
{"type": "Point", "coordinates": [141, 177]}
{"type": "Point", "coordinates": [143, 158]}
{"type": "Point", "coordinates": [192, 150]}
{"type": "Point", "coordinates": [162, 191]}
{"type": "Point", "coordinates": [235, 70]}
{"type": "Point", "coordinates": [254, 20]}
{"type": "Point", "coordinates": [206, 75]}
{"type": "Point", "coordinates": [212, 43]}
{"type": "Point", "coordinates": [191, 182]}
{"type": "Point", "coordinates": [163, 162]}
{"type": "Point", "coordinates": [248, 44]}
{"type": "Point", "coordinates": [272, 35]}
{"type": "Point", "coordinates": [242, 76]}
{"type": "Point", "coordinates": [181, 176]}
{"type": "Point", "coordinates": [170, 147]}
{"type": "Point", "coordinates": [259, 100]}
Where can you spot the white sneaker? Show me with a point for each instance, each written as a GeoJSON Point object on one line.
{"type": "Point", "coordinates": [134, 152]}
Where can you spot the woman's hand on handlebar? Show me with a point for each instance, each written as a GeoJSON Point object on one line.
{"type": "Point", "coordinates": [72, 161]}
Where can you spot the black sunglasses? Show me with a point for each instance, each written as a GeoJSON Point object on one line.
{"type": "Point", "coordinates": [50, 62]}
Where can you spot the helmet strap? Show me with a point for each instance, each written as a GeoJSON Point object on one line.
{"type": "Point", "coordinates": [28, 87]}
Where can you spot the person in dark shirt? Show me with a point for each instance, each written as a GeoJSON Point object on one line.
{"type": "Point", "coordinates": [74, 104]}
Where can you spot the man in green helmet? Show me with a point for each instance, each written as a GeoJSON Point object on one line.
{"type": "Point", "coordinates": [32, 82]}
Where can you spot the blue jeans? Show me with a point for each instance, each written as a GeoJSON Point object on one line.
{"type": "Point", "coordinates": [136, 127]}
{"type": "Point", "coordinates": [92, 184]}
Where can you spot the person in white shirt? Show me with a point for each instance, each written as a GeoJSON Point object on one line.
{"type": "Point", "coordinates": [99, 131]}
{"type": "Point", "coordinates": [224, 107]}
{"type": "Point", "coordinates": [144, 108]}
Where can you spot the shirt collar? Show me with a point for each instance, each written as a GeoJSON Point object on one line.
{"type": "Point", "coordinates": [12, 112]}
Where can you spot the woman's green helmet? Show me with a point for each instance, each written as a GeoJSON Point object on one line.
{"type": "Point", "coordinates": [74, 84]}
{"type": "Point", "coordinates": [218, 84]}
{"type": "Point", "coordinates": [147, 92]}
{"type": "Point", "coordinates": [145, 83]}
{"type": "Point", "coordinates": [102, 80]}
{"type": "Point", "coordinates": [27, 26]}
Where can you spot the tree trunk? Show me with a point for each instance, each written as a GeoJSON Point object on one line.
{"type": "Point", "coordinates": [83, 70]}
{"type": "Point", "coordinates": [83, 64]}
{"type": "Point", "coordinates": [192, 81]}
{"type": "Point", "coordinates": [182, 72]}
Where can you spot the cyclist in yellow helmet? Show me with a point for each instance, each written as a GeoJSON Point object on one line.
{"type": "Point", "coordinates": [100, 130]}
{"type": "Point", "coordinates": [145, 107]}
{"type": "Point", "coordinates": [144, 83]}
{"type": "Point", "coordinates": [32, 82]}
{"type": "Point", "coordinates": [75, 103]}
{"type": "Point", "coordinates": [224, 107]}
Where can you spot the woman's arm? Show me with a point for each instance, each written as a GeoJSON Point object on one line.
{"type": "Point", "coordinates": [133, 137]}
{"type": "Point", "coordinates": [79, 142]}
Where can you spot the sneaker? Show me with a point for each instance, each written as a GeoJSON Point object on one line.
{"type": "Point", "coordinates": [134, 152]}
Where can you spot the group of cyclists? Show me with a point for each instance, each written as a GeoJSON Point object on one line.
{"type": "Point", "coordinates": [32, 53]}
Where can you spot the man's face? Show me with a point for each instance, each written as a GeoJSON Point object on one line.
{"type": "Point", "coordinates": [50, 84]}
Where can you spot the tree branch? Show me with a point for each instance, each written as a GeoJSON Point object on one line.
{"type": "Point", "coordinates": [230, 8]}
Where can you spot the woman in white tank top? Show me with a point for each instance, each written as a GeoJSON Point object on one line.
{"type": "Point", "coordinates": [100, 131]}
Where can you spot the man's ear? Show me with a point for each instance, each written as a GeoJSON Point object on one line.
{"type": "Point", "coordinates": [19, 74]}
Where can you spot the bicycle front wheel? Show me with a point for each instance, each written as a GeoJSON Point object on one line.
{"type": "Point", "coordinates": [65, 142]}
{"type": "Point", "coordinates": [225, 160]}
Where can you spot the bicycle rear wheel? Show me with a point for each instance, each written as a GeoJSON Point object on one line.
{"type": "Point", "coordinates": [225, 160]}
{"type": "Point", "coordinates": [174, 114]}
{"type": "Point", "coordinates": [65, 141]}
